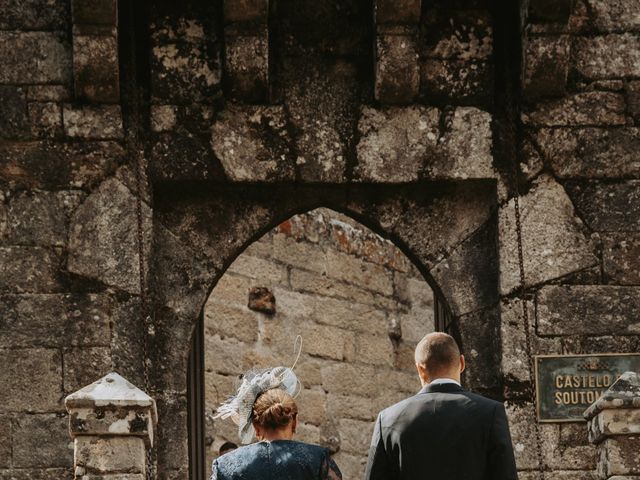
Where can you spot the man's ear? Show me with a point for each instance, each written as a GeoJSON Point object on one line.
{"type": "Point", "coordinates": [462, 363]}
{"type": "Point", "coordinates": [422, 373]}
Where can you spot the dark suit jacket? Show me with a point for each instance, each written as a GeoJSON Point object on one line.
{"type": "Point", "coordinates": [442, 433]}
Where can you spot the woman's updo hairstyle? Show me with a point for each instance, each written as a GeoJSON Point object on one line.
{"type": "Point", "coordinates": [274, 409]}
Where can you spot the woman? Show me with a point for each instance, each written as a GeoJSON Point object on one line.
{"type": "Point", "coordinates": [273, 418]}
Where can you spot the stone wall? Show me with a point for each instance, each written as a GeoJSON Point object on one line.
{"type": "Point", "coordinates": [342, 288]}
{"type": "Point", "coordinates": [301, 111]}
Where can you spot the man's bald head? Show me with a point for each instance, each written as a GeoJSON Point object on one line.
{"type": "Point", "coordinates": [438, 354]}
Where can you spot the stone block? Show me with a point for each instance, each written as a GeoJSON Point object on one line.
{"type": "Point", "coordinates": [224, 356]}
{"type": "Point", "coordinates": [633, 99]}
{"type": "Point", "coordinates": [456, 81]}
{"type": "Point", "coordinates": [524, 439]}
{"type": "Point", "coordinates": [261, 271]}
{"type": "Point", "coordinates": [14, 122]}
{"type": "Point", "coordinates": [587, 310]}
{"type": "Point", "coordinates": [309, 371]}
{"type": "Point", "coordinates": [163, 117]}
{"type": "Point", "coordinates": [550, 11]}
{"type": "Point", "coordinates": [49, 165]}
{"type": "Point", "coordinates": [348, 315]}
{"type": "Point", "coordinates": [352, 270]}
{"type": "Point", "coordinates": [247, 67]}
{"type": "Point", "coordinates": [314, 283]}
{"type": "Point", "coordinates": [312, 406]}
{"type": "Point", "coordinates": [40, 218]}
{"type": "Point", "coordinates": [110, 454]}
{"type": "Point", "coordinates": [239, 141]}
{"type": "Point", "coordinates": [309, 434]}
{"type": "Point", "coordinates": [95, 12]}
{"type": "Point", "coordinates": [31, 380]}
{"type": "Point", "coordinates": [396, 381]}
{"type": "Point", "coordinates": [48, 93]}
{"type": "Point", "coordinates": [554, 240]}
{"type": "Point", "coordinates": [95, 122]}
{"type": "Point", "coordinates": [34, 57]}
{"type": "Point", "coordinates": [611, 206]}
{"type": "Point", "coordinates": [397, 73]}
{"type": "Point", "coordinates": [608, 56]}
{"type": "Point", "coordinates": [614, 15]}
{"type": "Point", "coordinates": [83, 365]}
{"type": "Point", "coordinates": [5, 442]}
{"type": "Point", "coordinates": [470, 273]}
{"type": "Point", "coordinates": [55, 320]}
{"type": "Point", "coordinates": [34, 15]}
{"type": "Point", "coordinates": [620, 257]}
{"type": "Point", "coordinates": [465, 148]}
{"type": "Point", "coordinates": [103, 242]}
{"type": "Point", "coordinates": [172, 443]}
{"type": "Point", "coordinates": [41, 441]}
{"type": "Point", "coordinates": [620, 456]}
{"type": "Point", "coordinates": [580, 109]}
{"type": "Point", "coordinates": [350, 406]}
{"type": "Point", "coordinates": [347, 379]}
{"type": "Point", "coordinates": [614, 422]}
{"type": "Point", "coordinates": [231, 290]}
{"type": "Point", "coordinates": [45, 119]}
{"type": "Point", "coordinates": [591, 152]}
{"type": "Point", "coordinates": [355, 436]}
{"type": "Point", "coordinates": [416, 324]}
{"type": "Point", "coordinates": [229, 321]}
{"type": "Point", "coordinates": [375, 349]}
{"type": "Point", "coordinates": [297, 254]}
{"type": "Point", "coordinates": [404, 12]}
{"type": "Point", "coordinates": [95, 67]}
{"type": "Point", "coordinates": [546, 66]}
{"type": "Point", "coordinates": [394, 143]}
{"type": "Point", "coordinates": [30, 270]}
{"type": "Point", "coordinates": [246, 11]}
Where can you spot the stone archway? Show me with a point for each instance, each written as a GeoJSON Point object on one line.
{"type": "Point", "coordinates": [448, 231]}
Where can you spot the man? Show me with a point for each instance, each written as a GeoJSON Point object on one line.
{"type": "Point", "coordinates": [226, 447]}
{"type": "Point", "coordinates": [443, 432]}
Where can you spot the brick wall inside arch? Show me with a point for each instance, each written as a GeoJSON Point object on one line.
{"type": "Point", "coordinates": [340, 286]}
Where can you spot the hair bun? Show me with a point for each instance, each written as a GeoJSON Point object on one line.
{"type": "Point", "coordinates": [274, 409]}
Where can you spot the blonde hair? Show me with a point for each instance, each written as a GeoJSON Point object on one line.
{"type": "Point", "coordinates": [274, 409]}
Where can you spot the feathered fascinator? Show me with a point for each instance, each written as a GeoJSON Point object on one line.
{"type": "Point", "coordinates": [240, 407]}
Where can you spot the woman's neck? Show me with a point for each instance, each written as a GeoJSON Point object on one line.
{"type": "Point", "coordinates": [280, 434]}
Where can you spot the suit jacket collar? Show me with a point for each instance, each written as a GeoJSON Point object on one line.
{"type": "Point", "coordinates": [442, 388]}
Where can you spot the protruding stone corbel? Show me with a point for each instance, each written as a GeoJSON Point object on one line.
{"type": "Point", "coordinates": [111, 422]}
{"type": "Point", "coordinates": [397, 69]}
{"type": "Point", "coordinates": [246, 35]}
{"type": "Point", "coordinates": [614, 426]}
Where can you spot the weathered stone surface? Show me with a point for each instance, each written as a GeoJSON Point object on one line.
{"type": "Point", "coordinates": [397, 70]}
{"type": "Point", "coordinates": [601, 57]}
{"type": "Point", "coordinates": [39, 218]}
{"type": "Point", "coordinates": [404, 12]}
{"type": "Point", "coordinates": [41, 441]}
{"type": "Point", "coordinates": [552, 11]}
{"type": "Point", "coordinates": [546, 66]}
{"type": "Point", "coordinates": [105, 455]}
{"type": "Point", "coordinates": [58, 165]}
{"type": "Point", "coordinates": [14, 122]}
{"type": "Point", "coordinates": [591, 152]}
{"type": "Point", "coordinates": [582, 109]}
{"type": "Point", "coordinates": [620, 257]}
{"type": "Point", "coordinates": [54, 320]}
{"type": "Point", "coordinates": [246, 10]}
{"type": "Point", "coordinates": [34, 57]}
{"type": "Point", "coordinates": [36, 474]}
{"type": "Point", "coordinates": [470, 273]}
{"type": "Point", "coordinates": [622, 458]}
{"type": "Point", "coordinates": [253, 144]}
{"type": "Point", "coordinates": [33, 15]}
{"type": "Point", "coordinates": [394, 142]}
{"type": "Point", "coordinates": [456, 81]}
{"type": "Point", "coordinates": [608, 206]}
{"type": "Point", "coordinates": [588, 310]}
{"type": "Point", "coordinates": [184, 71]}
{"type": "Point", "coordinates": [355, 435]}
{"type": "Point", "coordinates": [103, 241]}
{"type": "Point", "coordinates": [95, 122]}
{"type": "Point", "coordinates": [554, 240]}
{"type": "Point", "coordinates": [524, 439]}
{"type": "Point", "coordinates": [40, 390]}
{"type": "Point", "coordinates": [230, 320]}
{"type": "Point", "coordinates": [83, 366]}
{"type": "Point", "coordinates": [633, 99]}
{"type": "Point", "coordinates": [315, 406]}
{"type": "Point", "coordinates": [172, 445]}
{"type": "Point", "coordinates": [460, 33]}
{"type": "Point", "coordinates": [95, 67]}
{"type": "Point", "coordinates": [45, 119]}
{"type": "Point", "coordinates": [352, 270]}
{"type": "Point", "coordinates": [94, 12]}
{"type": "Point", "coordinates": [247, 66]}
{"type": "Point", "coordinates": [30, 269]}
{"type": "Point", "coordinates": [464, 150]}
{"type": "Point", "coordinates": [5, 442]}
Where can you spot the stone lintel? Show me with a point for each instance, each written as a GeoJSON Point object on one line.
{"type": "Point", "coordinates": [112, 406]}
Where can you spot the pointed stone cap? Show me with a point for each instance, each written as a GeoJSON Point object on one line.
{"type": "Point", "coordinates": [112, 390]}
{"type": "Point", "coordinates": [624, 393]}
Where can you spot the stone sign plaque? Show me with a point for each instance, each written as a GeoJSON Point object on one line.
{"type": "Point", "coordinates": [567, 384]}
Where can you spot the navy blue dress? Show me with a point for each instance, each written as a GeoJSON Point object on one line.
{"type": "Point", "coordinates": [276, 460]}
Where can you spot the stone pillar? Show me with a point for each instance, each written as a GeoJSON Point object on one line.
{"type": "Point", "coordinates": [111, 422]}
{"type": "Point", "coordinates": [614, 426]}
